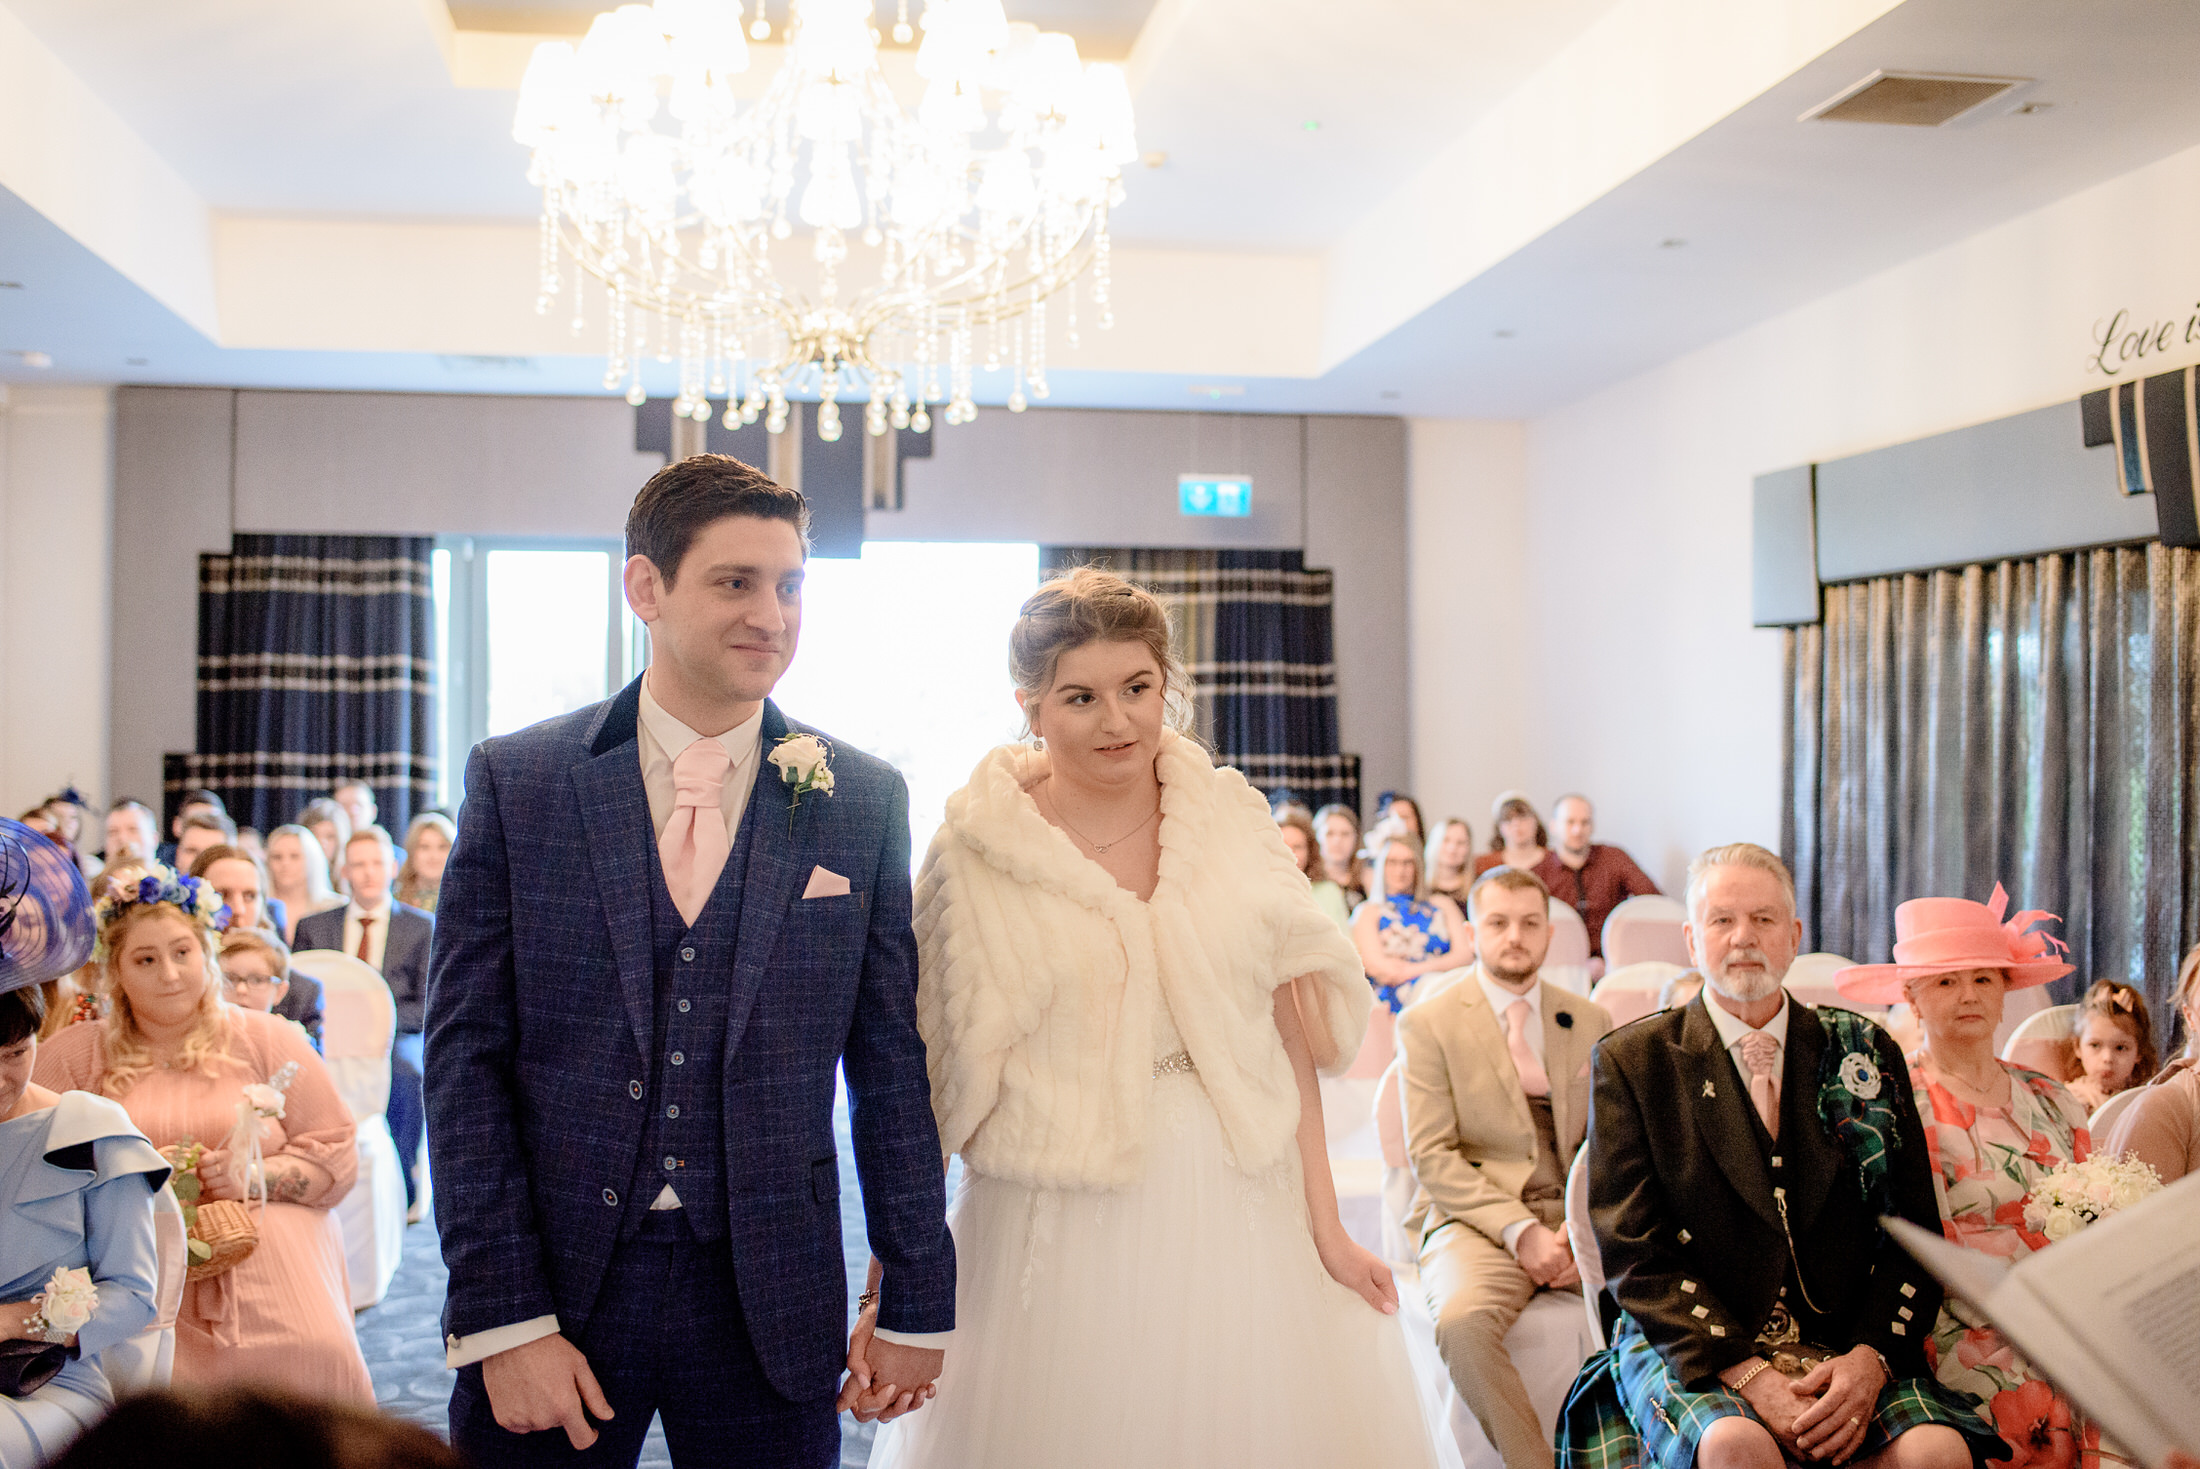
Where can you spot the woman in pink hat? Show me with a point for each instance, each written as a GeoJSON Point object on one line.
{"type": "Point", "coordinates": [1992, 1129]}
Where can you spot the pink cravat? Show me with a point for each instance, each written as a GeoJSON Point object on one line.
{"type": "Point", "coordinates": [694, 846]}
{"type": "Point", "coordinates": [1533, 1079]}
{"type": "Point", "coordinates": [1761, 1053]}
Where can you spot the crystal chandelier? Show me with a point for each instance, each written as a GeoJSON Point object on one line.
{"type": "Point", "coordinates": [931, 239]}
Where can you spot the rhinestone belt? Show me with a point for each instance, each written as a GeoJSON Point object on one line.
{"type": "Point", "coordinates": [1179, 1064]}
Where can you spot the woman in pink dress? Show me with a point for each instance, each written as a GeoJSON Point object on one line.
{"type": "Point", "coordinates": [1993, 1130]}
{"type": "Point", "coordinates": [178, 1059]}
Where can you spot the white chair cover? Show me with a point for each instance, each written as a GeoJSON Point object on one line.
{"type": "Point", "coordinates": [2039, 1039]}
{"type": "Point", "coordinates": [1567, 963]}
{"type": "Point", "coordinates": [1632, 992]}
{"type": "Point", "coordinates": [358, 1027]}
{"type": "Point", "coordinates": [1582, 1236]}
{"type": "Point", "coordinates": [1810, 980]}
{"type": "Point", "coordinates": [145, 1362]}
{"type": "Point", "coordinates": [2104, 1117]}
{"type": "Point", "coordinates": [2017, 1007]}
{"type": "Point", "coordinates": [1644, 929]}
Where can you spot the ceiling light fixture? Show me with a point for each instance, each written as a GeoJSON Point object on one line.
{"type": "Point", "coordinates": [933, 240]}
{"type": "Point", "coordinates": [33, 359]}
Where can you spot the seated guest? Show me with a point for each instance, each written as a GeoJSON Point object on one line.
{"type": "Point", "coordinates": [1339, 831]}
{"type": "Point", "coordinates": [241, 1426]}
{"type": "Point", "coordinates": [1592, 877]}
{"type": "Point", "coordinates": [198, 833]}
{"type": "Point", "coordinates": [357, 799]}
{"type": "Point", "coordinates": [1680, 989]}
{"type": "Point", "coordinates": [194, 803]}
{"type": "Point", "coordinates": [76, 1177]}
{"type": "Point", "coordinates": [1399, 807]}
{"type": "Point", "coordinates": [1297, 828]}
{"type": "Point", "coordinates": [331, 827]}
{"type": "Point", "coordinates": [1741, 1153]}
{"type": "Point", "coordinates": [2161, 1126]}
{"type": "Point", "coordinates": [393, 939]}
{"type": "Point", "coordinates": [1496, 1094]}
{"type": "Point", "coordinates": [178, 1060]}
{"type": "Point", "coordinates": [132, 833]}
{"type": "Point", "coordinates": [242, 883]}
{"type": "Point", "coordinates": [1404, 934]}
{"type": "Point", "coordinates": [298, 878]}
{"type": "Point", "coordinates": [1450, 857]}
{"type": "Point", "coordinates": [1517, 836]}
{"type": "Point", "coordinates": [1992, 1131]}
{"type": "Point", "coordinates": [256, 975]}
{"type": "Point", "coordinates": [2114, 1044]}
{"type": "Point", "coordinates": [428, 843]}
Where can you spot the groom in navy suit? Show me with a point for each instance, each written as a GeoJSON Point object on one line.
{"type": "Point", "coordinates": [669, 918]}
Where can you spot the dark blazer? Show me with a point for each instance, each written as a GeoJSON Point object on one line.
{"type": "Point", "coordinates": [303, 1004]}
{"type": "Point", "coordinates": [404, 957]}
{"type": "Point", "coordinates": [540, 1016]}
{"type": "Point", "coordinates": [1681, 1193]}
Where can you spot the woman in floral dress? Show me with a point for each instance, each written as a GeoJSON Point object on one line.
{"type": "Point", "coordinates": [1993, 1131]}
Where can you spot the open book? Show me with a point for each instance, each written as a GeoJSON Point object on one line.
{"type": "Point", "coordinates": [2110, 1315]}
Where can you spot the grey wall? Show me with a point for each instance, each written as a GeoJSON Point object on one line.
{"type": "Point", "coordinates": [193, 465]}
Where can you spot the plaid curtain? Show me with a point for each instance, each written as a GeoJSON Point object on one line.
{"type": "Point", "coordinates": [2029, 723]}
{"type": "Point", "coordinates": [316, 664]}
{"type": "Point", "coordinates": [1253, 629]}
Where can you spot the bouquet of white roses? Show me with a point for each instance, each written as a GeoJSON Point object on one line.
{"type": "Point", "coordinates": [2077, 1194]}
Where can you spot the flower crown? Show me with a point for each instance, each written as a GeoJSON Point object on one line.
{"type": "Point", "coordinates": [193, 896]}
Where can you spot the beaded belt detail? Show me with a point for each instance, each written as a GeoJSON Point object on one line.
{"type": "Point", "coordinates": [1179, 1064]}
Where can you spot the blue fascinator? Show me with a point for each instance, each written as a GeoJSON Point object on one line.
{"type": "Point", "coordinates": [46, 927]}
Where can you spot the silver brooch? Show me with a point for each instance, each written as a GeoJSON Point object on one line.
{"type": "Point", "coordinates": [1860, 1075]}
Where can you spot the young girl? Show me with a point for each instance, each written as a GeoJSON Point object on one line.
{"type": "Point", "coordinates": [2115, 1043]}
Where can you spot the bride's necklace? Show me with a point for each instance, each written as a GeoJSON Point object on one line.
{"type": "Point", "coordinates": [1099, 849]}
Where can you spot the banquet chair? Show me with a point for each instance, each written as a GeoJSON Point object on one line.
{"type": "Point", "coordinates": [1644, 929]}
{"type": "Point", "coordinates": [1567, 963]}
{"type": "Point", "coordinates": [2040, 1040]}
{"type": "Point", "coordinates": [358, 1025]}
{"type": "Point", "coordinates": [1581, 1236]}
{"type": "Point", "coordinates": [2017, 1007]}
{"type": "Point", "coordinates": [1810, 980]}
{"type": "Point", "coordinates": [1631, 992]}
{"type": "Point", "coordinates": [2104, 1116]}
{"type": "Point", "coordinates": [144, 1362]}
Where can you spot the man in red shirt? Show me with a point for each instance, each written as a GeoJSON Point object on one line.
{"type": "Point", "coordinates": [1594, 878]}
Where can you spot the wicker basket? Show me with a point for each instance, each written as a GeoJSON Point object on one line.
{"type": "Point", "coordinates": [227, 1228]}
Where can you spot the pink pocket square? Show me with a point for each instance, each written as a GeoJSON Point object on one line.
{"type": "Point", "coordinates": [825, 884]}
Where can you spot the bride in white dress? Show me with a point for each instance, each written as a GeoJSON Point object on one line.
{"type": "Point", "coordinates": [1125, 987]}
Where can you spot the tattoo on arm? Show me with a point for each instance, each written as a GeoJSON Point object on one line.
{"type": "Point", "coordinates": [286, 1185]}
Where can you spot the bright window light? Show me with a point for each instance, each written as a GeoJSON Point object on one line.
{"type": "Point", "coordinates": [904, 655]}
{"type": "Point", "coordinates": [547, 634]}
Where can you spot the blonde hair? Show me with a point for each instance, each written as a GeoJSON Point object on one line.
{"type": "Point", "coordinates": [1737, 854]}
{"type": "Point", "coordinates": [318, 887]}
{"type": "Point", "coordinates": [1376, 854]}
{"type": "Point", "coordinates": [408, 878]}
{"type": "Point", "coordinates": [2185, 997]}
{"type": "Point", "coordinates": [1436, 837]}
{"type": "Point", "coordinates": [267, 945]}
{"type": "Point", "coordinates": [1092, 605]}
{"type": "Point", "coordinates": [128, 1057]}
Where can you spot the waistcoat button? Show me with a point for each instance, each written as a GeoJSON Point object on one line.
{"type": "Point", "coordinates": [634, 1090]}
{"type": "Point", "coordinates": [611, 1198]}
{"type": "Point", "coordinates": [673, 1110]}
{"type": "Point", "coordinates": [687, 955]}
{"type": "Point", "coordinates": [671, 1162]}
{"type": "Point", "coordinates": [678, 1059]}
{"type": "Point", "coordinates": [683, 1007]}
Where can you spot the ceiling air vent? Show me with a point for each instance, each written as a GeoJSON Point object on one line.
{"type": "Point", "coordinates": [1916, 99]}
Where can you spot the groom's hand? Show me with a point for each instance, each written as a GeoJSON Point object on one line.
{"type": "Point", "coordinates": [901, 1378]}
{"type": "Point", "coordinates": [545, 1384]}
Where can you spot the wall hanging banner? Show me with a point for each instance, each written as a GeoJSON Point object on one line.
{"type": "Point", "coordinates": [2154, 428]}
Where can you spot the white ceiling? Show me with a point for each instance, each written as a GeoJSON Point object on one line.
{"type": "Point", "coordinates": [345, 109]}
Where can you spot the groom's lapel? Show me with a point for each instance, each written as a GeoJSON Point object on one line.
{"type": "Point", "coordinates": [779, 838]}
{"type": "Point", "coordinates": [615, 811]}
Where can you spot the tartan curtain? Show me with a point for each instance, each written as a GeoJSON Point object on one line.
{"type": "Point", "coordinates": [316, 664]}
{"type": "Point", "coordinates": [2028, 722]}
{"type": "Point", "coordinates": [1253, 629]}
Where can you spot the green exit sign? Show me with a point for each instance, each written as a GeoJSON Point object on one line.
{"type": "Point", "coordinates": [1210, 494]}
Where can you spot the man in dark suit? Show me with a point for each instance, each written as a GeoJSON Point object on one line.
{"type": "Point", "coordinates": [668, 919]}
{"type": "Point", "coordinates": [393, 938]}
{"type": "Point", "coordinates": [1741, 1152]}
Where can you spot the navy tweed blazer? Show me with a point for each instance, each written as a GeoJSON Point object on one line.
{"type": "Point", "coordinates": [539, 1018]}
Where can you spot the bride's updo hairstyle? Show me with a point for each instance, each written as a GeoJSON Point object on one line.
{"type": "Point", "coordinates": [1092, 605]}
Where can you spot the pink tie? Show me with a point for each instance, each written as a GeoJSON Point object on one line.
{"type": "Point", "coordinates": [694, 846]}
{"type": "Point", "coordinates": [1533, 1080]}
{"type": "Point", "coordinates": [1760, 1053]}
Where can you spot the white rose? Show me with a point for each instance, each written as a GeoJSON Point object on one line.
{"type": "Point", "coordinates": [71, 1297]}
{"type": "Point", "coordinates": [264, 1099]}
{"type": "Point", "coordinates": [2061, 1224]}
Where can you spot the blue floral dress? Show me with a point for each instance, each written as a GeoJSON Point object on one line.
{"type": "Point", "coordinates": [1408, 929]}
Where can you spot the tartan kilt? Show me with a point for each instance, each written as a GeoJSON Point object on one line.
{"type": "Point", "coordinates": [1625, 1412]}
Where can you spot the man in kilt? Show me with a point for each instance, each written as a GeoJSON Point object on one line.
{"type": "Point", "coordinates": [1741, 1152]}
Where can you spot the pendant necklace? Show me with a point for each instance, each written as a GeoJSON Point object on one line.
{"type": "Point", "coordinates": [1099, 849]}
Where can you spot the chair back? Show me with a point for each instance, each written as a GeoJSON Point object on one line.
{"type": "Point", "coordinates": [170, 1246]}
{"type": "Point", "coordinates": [1632, 992]}
{"type": "Point", "coordinates": [1810, 980]}
{"type": "Point", "coordinates": [1390, 1116]}
{"type": "Point", "coordinates": [1582, 1237]}
{"type": "Point", "coordinates": [1644, 929]}
{"type": "Point", "coordinates": [2041, 1040]}
{"type": "Point", "coordinates": [1567, 963]}
{"type": "Point", "coordinates": [2018, 1006]}
{"type": "Point", "coordinates": [358, 1027]}
{"type": "Point", "coordinates": [2103, 1120]}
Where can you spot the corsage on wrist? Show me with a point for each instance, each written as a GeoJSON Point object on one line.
{"type": "Point", "coordinates": [63, 1307]}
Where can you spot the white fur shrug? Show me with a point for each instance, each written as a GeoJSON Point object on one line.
{"type": "Point", "coordinates": [1038, 976]}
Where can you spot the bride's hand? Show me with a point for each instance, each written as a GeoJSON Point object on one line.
{"type": "Point", "coordinates": [1360, 1270]}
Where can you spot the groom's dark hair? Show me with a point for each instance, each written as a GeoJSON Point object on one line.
{"type": "Point", "coordinates": [684, 497]}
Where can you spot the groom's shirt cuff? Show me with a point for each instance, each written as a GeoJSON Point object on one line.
{"type": "Point", "coordinates": [464, 1351]}
{"type": "Point", "coordinates": [926, 1341]}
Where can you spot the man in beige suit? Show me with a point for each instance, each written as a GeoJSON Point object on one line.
{"type": "Point", "coordinates": [1496, 1097]}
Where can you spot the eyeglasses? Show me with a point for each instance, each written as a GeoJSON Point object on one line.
{"type": "Point", "coordinates": [249, 981]}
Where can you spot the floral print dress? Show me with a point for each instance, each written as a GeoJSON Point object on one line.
{"type": "Point", "coordinates": [1986, 1161]}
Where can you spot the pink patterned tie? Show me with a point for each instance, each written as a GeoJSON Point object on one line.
{"type": "Point", "coordinates": [694, 846]}
{"type": "Point", "coordinates": [1533, 1079]}
{"type": "Point", "coordinates": [1760, 1053]}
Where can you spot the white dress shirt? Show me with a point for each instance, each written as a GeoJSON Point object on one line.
{"type": "Point", "coordinates": [1502, 1000]}
{"type": "Point", "coordinates": [1732, 1028]}
{"type": "Point", "coordinates": [378, 933]}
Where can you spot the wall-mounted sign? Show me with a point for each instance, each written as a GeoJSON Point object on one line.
{"type": "Point", "coordinates": [1212, 494]}
{"type": "Point", "coordinates": [2125, 342]}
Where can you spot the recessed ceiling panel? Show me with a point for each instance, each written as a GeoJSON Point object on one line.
{"type": "Point", "coordinates": [1912, 99]}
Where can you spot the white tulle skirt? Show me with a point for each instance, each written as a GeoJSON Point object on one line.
{"type": "Point", "coordinates": [1184, 1321]}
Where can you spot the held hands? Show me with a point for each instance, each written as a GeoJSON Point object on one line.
{"type": "Point", "coordinates": [1548, 1257]}
{"type": "Point", "coordinates": [1357, 1269]}
{"type": "Point", "coordinates": [877, 1371]}
{"type": "Point", "coordinates": [545, 1384]}
{"type": "Point", "coordinates": [1847, 1393]}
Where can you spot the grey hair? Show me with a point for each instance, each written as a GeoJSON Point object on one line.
{"type": "Point", "coordinates": [1737, 854]}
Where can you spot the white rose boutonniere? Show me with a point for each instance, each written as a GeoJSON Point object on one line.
{"type": "Point", "coordinates": [805, 762]}
{"type": "Point", "coordinates": [67, 1303]}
